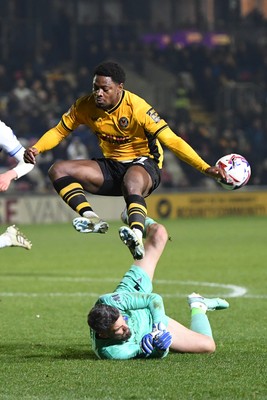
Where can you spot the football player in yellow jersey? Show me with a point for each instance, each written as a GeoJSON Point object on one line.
{"type": "Point", "coordinates": [130, 134]}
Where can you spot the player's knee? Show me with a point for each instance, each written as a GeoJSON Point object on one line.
{"type": "Point", "coordinates": [56, 170]}
{"type": "Point", "coordinates": [209, 346]}
{"type": "Point", "coordinates": [158, 232]}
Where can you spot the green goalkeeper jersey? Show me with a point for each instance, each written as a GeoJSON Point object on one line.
{"type": "Point", "coordinates": [140, 311]}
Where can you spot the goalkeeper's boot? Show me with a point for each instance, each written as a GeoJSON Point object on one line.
{"type": "Point", "coordinates": [195, 300]}
{"type": "Point", "coordinates": [90, 225]}
{"type": "Point", "coordinates": [130, 239]}
{"type": "Point", "coordinates": [17, 238]}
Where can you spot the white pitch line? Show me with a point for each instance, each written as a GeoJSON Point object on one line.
{"type": "Point", "coordinates": [231, 290]}
{"type": "Point", "coordinates": [234, 290]}
{"type": "Point", "coordinates": [52, 294]}
{"type": "Point", "coordinates": [96, 295]}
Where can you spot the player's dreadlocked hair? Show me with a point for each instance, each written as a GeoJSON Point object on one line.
{"type": "Point", "coordinates": [111, 69]}
{"type": "Point", "coordinates": [102, 317]}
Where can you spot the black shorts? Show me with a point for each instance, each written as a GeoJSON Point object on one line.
{"type": "Point", "coordinates": [114, 171]}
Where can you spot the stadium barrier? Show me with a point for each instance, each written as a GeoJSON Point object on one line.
{"type": "Point", "coordinates": [214, 204]}
{"type": "Point", "coordinates": [51, 209]}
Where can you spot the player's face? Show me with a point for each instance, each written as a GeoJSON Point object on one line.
{"type": "Point", "coordinates": [120, 330]}
{"type": "Point", "coordinates": [106, 92]}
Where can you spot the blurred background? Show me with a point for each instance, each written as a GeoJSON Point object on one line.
{"type": "Point", "coordinates": [202, 64]}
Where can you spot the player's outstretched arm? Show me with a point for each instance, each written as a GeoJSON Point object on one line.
{"type": "Point", "coordinates": [186, 153]}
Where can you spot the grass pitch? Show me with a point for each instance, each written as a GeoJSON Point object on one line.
{"type": "Point", "coordinates": [46, 293]}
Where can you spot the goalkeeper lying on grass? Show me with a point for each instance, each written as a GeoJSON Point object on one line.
{"type": "Point", "coordinates": [131, 322]}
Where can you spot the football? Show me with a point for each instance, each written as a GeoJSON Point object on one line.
{"type": "Point", "coordinates": [237, 169]}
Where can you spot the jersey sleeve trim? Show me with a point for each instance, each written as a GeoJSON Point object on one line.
{"type": "Point", "coordinates": [15, 151]}
{"type": "Point", "coordinates": [65, 126]}
{"type": "Point", "coordinates": [161, 129]}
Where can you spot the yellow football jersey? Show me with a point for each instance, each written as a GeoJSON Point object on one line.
{"type": "Point", "coordinates": [129, 130]}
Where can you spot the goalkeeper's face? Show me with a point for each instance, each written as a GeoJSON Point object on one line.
{"type": "Point", "coordinates": [120, 330]}
{"type": "Point", "coordinates": [107, 93]}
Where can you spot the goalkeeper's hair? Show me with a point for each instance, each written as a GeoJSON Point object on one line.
{"type": "Point", "coordinates": [102, 317]}
{"type": "Point", "coordinates": [112, 69]}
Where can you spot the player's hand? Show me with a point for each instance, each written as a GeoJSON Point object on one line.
{"type": "Point", "coordinates": [30, 154]}
{"type": "Point", "coordinates": [163, 340]}
{"type": "Point", "coordinates": [216, 173]}
{"type": "Point", "coordinates": [6, 178]}
{"type": "Point", "coordinates": [147, 343]}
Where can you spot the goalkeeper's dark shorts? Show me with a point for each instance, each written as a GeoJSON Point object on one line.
{"type": "Point", "coordinates": [114, 171]}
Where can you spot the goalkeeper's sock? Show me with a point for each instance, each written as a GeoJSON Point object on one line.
{"type": "Point", "coordinates": [73, 194]}
{"type": "Point", "coordinates": [136, 210]}
{"type": "Point", "coordinates": [148, 221]}
{"type": "Point", "coordinates": [200, 322]}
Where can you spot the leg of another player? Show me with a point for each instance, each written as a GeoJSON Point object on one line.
{"type": "Point", "coordinates": [5, 241]}
{"type": "Point", "coordinates": [12, 237]}
{"type": "Point", "coordinates": [156, 239]}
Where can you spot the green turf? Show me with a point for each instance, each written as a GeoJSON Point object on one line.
{"type": "Point", "coordinates": [45, 295]}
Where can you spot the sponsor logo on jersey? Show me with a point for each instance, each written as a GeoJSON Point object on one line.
{"type": "Point", "coordinates": [123, 122]}
{"type": "Point", "coordinates": [154, 115]}
{"type": "Point", "coordinates": [112, 138]}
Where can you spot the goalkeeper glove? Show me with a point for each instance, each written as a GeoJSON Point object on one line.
{"type": "Point", "coordinates": [159, 338]}
{"type": "Point", "coordinates": [147, 343]}
{"type": "Point", "coordinates": [163, 340]}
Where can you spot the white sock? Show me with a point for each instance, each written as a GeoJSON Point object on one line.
{"type": "Point", "coordinates": [90, 214]}
{"type": "Point", "coordinates": [138, 234]}
{"type": "Point", "coordinates": [5, 241]}
{"type": "Point", "coordinates": [198, 304]}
